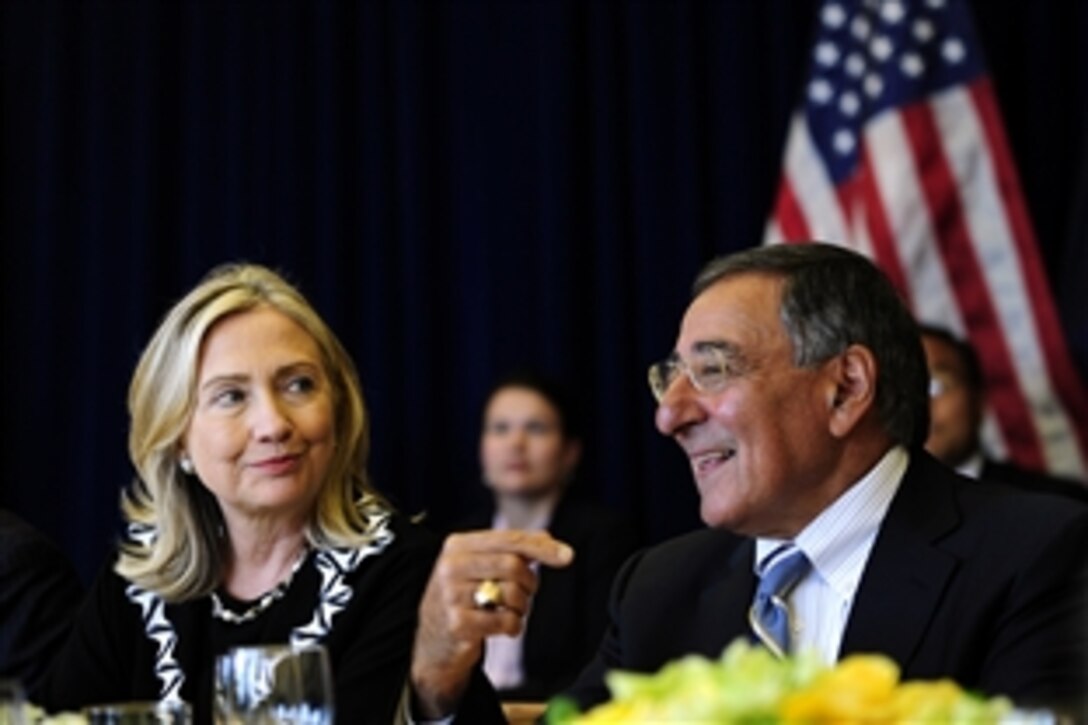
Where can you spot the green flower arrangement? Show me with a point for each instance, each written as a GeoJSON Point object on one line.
{"type": "Point", "coordinates": [749, 685]}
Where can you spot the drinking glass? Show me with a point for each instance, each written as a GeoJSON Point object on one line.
{"type": "Point", "coordinates": [12, 703]}
{"type": "Point", "coordinates": [139, 713]}
{"type": "Point", "coordinates": [274, 685]}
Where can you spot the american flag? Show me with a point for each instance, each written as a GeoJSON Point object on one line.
{"type": "Point", "coordinates": [898, 151]}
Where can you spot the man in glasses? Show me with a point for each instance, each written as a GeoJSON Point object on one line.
{"type": "Point", "coordinates": [798, 390]}
{"type": "Point", "coordinates": [957, 395]}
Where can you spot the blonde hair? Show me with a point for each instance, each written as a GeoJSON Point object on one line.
{"type": "Point", "coordinates": [180, 553]}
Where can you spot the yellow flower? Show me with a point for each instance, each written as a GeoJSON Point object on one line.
{"type": "Point", "coordinates": [615, 711]}
{"type": "Point", "coordinates": [747, 685]}
{"type": "Point", "coordinates": [926, 700]}
{"type": "Point", "coordinates": [860, 689]}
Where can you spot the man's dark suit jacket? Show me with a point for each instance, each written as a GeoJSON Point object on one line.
{"type": "Point", "coordinates": [983, 584]}
{"type": "Point", "coordinates": [569, 610]}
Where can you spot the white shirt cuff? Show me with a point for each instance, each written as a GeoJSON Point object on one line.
{"type": "Point", "coordinates": [405, 716]}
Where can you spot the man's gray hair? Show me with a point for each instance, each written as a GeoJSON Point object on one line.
{"type": "Point", "coordinates": [833, 298]}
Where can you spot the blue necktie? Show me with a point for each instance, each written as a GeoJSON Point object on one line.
{"type": "Point", "coordinates": [770, 614]}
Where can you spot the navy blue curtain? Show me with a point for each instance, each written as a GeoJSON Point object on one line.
{"type": "Point", "coordinates": [460, 188]}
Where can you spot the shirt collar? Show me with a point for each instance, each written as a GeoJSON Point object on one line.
{"type": "Point", "coordinates": [972, 467]}
{"type": "Point", "coordinates": [538, 521]}
{"type": "Point", "coordinates": [838, 540]}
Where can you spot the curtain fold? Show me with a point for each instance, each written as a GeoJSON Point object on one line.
{"type": "Point", "coordinates": [459, 187]}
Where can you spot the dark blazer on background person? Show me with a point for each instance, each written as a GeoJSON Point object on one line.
{"type": "Point", "coordinates": [1028, 480]}
{"type": "Point", "coordinates": [569, 610]}
{"type": "Point", "coordinates": [985, 585]}
{"type": "Point", "coordinates": [40, 593]}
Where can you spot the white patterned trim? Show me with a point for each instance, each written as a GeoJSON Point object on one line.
{"type": "Point", "coordinates": [160, 630]}
{"type": "Point", "coordinates": [333, 597]}
{"type": "Point", "coordinates": [143, 534]}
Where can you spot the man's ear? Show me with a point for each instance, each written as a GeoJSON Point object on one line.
{"type": "Point", "coordinates": [853, 394]}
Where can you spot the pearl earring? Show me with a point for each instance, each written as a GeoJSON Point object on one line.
{"type": "Point", "coordinates": [186, 464]}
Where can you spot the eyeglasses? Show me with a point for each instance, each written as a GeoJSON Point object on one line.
{"type": "Point", "coordinates": [939, 384]}
{"type": "Point", "coordinates": [709, 371]}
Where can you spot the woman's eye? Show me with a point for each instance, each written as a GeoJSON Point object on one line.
{"type": "Point", "coordinates": [301, 384]}
{"type": "Point", "coordinates": [537, 427]}
{"type": "Point", "coordinates": [228, 397]}
{"type": "Point", "coordinates": [497, 428]}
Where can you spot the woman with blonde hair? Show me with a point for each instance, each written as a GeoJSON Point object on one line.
{"type": "Point", "coordinates": [251, 519]}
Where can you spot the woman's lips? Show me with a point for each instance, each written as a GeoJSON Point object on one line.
{"type": "Point", "coordinates": [278, 465]}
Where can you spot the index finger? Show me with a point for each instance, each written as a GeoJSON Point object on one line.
{"type": "Point", "coordinates": [535, 545]}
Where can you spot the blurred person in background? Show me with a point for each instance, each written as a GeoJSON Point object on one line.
{"type": "Point", "coordinates": [957, 398]}
{"type": "Point", "coordinates": [40, 592]}
{"type": "Point", "coordinates": [530, 447]}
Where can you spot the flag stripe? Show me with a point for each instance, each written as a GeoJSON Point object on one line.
{"type": "Point", "coordinates": [1001, 260]}
{"type": "Point", "coordinates": [897, 151]}
{"type": "Point", "coordinates": [931, 291]}
{"type": "Point", "coordinates": [1058, 360]}
{"type": "Point", "coordinates": [946, 212]}
{"type": "Point", "coordinates": [898, 188]}
{"type": "Point", "coordinates": [788, 214]}
{"type": "Point", "coordinates": [812, 187]}
{"type": "Point", "coordinates": [871, 206]}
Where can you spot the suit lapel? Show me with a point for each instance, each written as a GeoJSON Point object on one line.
{"type": "Point", "coordinates": [722, 612]}
{"type": "Point", "coordinates": [906, 574]}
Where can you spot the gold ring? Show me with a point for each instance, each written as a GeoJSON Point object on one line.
{"type": "Point", "coordinates": [488, 595]}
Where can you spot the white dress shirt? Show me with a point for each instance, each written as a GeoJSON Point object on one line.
{"type": "Point", "coordinates": [972, 467]}
{"type": "Point", "coordinates": [503, 653]}
{"type": "Point", "coordinates": [838, 543]}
